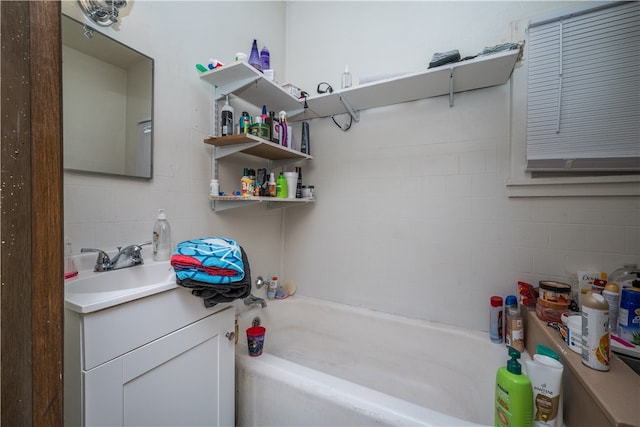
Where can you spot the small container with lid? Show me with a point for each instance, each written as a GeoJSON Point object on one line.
{"type": "Point", "coordinates": [308, 190]}
{"type": "Point", "coordinates": [214, 188]}
{"type": "Point", "coordinates": [553, 300]}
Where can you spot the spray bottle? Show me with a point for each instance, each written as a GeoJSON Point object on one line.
{"type": "Point", "coordinates": [514, 394]}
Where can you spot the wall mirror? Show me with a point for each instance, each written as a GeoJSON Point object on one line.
{"type": "Point", "coordinates": [107, 103]}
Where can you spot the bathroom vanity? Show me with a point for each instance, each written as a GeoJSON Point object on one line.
{"type": "Point", "coordinates": [161, 359]}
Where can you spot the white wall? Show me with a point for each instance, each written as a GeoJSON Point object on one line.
{"type": "Point", "coordinates": [412, 214]}
{"type": "Point", "coordinates": [104, 212]}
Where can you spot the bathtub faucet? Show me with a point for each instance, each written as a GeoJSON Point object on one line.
{"type": "Point", "coordinates": [252, 299]}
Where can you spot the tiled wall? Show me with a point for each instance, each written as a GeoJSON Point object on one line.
{"type": "Point", "coordinates": [412, 213]}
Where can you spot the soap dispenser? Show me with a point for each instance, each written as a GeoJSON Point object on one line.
{"type": "Point", "coordinates": [513, 395]}
{"type": "Point", "coordinates": [161, 238]}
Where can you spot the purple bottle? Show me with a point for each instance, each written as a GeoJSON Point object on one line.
{"type": "Point", "coordinates": [265, 61]}
{"type": "Point", "coordinates": [254, 57]}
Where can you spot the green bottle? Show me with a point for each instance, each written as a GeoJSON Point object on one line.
{"type": "Point", "coordinates": [281, 187]}
{"type": "Point", "coordinates": [514, 395]}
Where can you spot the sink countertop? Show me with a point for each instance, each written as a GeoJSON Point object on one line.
{"type": "Point", "coordinates": [591, 397]}
{"type": "Point", "coordinates": [92, 291]}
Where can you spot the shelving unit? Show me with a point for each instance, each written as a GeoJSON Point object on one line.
{"type": "Point", "coordinates": [243, 81]}
{"type": "Point", "coordinates": [277, 155]}
{"type": "Point", "coordinates": [480, 72]}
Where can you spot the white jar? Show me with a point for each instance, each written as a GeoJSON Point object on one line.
{"type": "Point", "coordinates": [214, 188]}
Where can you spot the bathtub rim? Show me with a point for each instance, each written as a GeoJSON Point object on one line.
{"type": "Point", "coordinates": [346, 394]}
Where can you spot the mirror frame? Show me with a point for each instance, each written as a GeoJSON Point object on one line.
{"type": "Point", "coordinates": [118, 45]}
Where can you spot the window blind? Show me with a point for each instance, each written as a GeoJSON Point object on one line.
{"type": "Point", "coordinates": [583, 105]}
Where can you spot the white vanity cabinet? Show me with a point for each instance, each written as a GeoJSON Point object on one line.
{"type": "Point", "coordinates": [163, 360]}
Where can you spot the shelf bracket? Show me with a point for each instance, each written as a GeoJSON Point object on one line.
{"type": "Point", "coordinates": [355, 114]}
{"type": "Point", "coordinates": [451, 87]}
{"type": "Point", "coordinates": [228, 89]}
{"type": "Point", "coordinates": [225, 151]}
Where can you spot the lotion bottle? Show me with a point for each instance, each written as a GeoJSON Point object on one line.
{"type": "Point", "coordinates": [513, 395]}
{"type": "Point", "coordinates": [161, 238]}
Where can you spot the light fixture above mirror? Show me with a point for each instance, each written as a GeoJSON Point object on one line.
{"type": "Point", "coordinates": [103, 12]}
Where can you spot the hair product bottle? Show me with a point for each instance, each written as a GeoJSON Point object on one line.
{"type": "Point", "coordinates": [596, 338]}
{"type": "Point", "coordinates": [514, 395]}
{"type": "Point", "coordinates": [226, 119]}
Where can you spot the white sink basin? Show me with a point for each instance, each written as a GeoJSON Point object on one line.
{"type": "Point", "coordinates": [92, 291]}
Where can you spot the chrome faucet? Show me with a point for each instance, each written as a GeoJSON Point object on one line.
{"type": "Point", "coordinates": [252, 299]}
{"type": "Point", "coordinates": [126, 257]}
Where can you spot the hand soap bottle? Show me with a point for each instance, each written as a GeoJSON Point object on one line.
{"type": "Point", "coordinates": [514, 394]}
{"type": "Point", "coordinates": [161, 238]}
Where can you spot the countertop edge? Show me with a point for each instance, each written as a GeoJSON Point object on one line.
{"type": "Point", "coordinates": [614, 391]}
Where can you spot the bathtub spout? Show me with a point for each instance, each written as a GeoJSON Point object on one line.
{"type": "Point", "coordinates": [251, 299]}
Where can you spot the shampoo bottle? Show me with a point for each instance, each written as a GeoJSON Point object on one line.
{"type": "Point", "coordinates": [514, 394]}
{"type": "Point", "coordinates": [226, 119]}
{"type": "Point", "coordinates": [161, 238]}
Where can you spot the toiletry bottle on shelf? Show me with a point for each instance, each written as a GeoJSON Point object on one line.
{"type": "Point", "coordinates": [305, 144]}
{"type": "Point", "coordinates": [226, 119]}
{"type": "Point", "coordinates": [272, 286]}
{"type": "Point", "coordinates": [513, 395]}
{"type": "Point", "coordinates": [214, 187]}
{"type": "Point", "coordinates": [269, 122]}
{"type": "Point", "coordinates": [245, 183]}
{"type": "Point", "coordinates": [265, 59]}
{"type": "Point", "coordinates": [495, 319]}
{"type": "Point", "coordinates": [251, 189]}
{"type": "Point", "coordinates": [275, 127]}
{"type": "Point", "coordinates": [509, 302]}
{"type": "Point", "coordinates": [245, 123]}
{"type": "Point", "coordinates": [281, 187]}
{"type": "Point", "coordinates": [611, 293]}
{"type": "Point", "coordinates": [70, 269]}
{"type": "Point", "coordinates": [282, 133]}
{"type": "Point", "coordinates": [596, 337]}
{"type": "Point", "coordinates": [161, 238]}
{"type": "Point", "coordinates": [272, 185]}
{"type": "Point", "coordinates": [516, 329]}
{"type": "Point", "coordinates": [346, 78]}
{"type": "Point", "coordinates": [299, 183]}
{"type": "Point", "coordinates": [254, 57]}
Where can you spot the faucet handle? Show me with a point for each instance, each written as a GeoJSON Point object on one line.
{"type": "Point", "coordinates": [103, 262]}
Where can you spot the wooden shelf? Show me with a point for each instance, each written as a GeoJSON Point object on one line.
{"type": "Point", "coordinates": [255, 146]}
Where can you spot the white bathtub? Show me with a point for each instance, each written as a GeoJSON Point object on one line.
{"type": "Point", "coordinates": [332, 364]}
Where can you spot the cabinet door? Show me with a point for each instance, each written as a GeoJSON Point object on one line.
{"type": "Point", "coordinates": [183, 379]}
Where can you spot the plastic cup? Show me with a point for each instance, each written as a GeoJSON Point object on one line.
{"type": "Point", "coordinates": [292, 184]}
{"type": "Point", "coordinates": [255, 340]}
